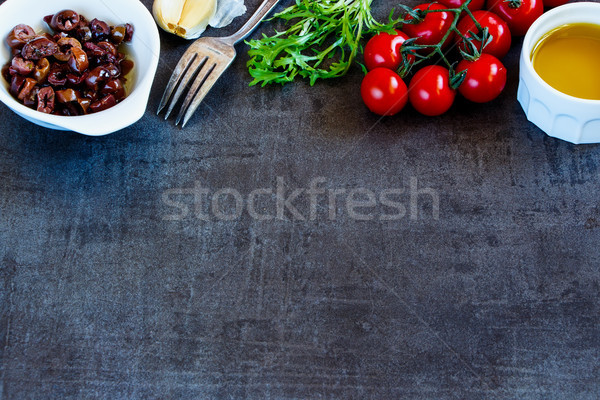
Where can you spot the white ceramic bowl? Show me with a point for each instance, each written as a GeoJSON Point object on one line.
{"type": "Point", "coordinates": [144, 49]}
{"type": "Point", "coordinates": [559, 115]}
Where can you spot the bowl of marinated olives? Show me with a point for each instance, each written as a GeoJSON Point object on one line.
{"type": "Point", "coordinates": [87, 67]}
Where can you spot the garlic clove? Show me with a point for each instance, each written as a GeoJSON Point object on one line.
{"type": "Point", "coordinates": [185, 18]}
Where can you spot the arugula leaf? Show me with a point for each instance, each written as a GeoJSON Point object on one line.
{"type": "Point", "coordinates": [321, 41]}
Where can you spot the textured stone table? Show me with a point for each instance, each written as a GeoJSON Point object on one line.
{"type": "Point", "coordinates": [146, 265]}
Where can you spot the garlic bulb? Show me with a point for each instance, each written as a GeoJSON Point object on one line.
{"type": "Point", "coordinates": [185, 18]}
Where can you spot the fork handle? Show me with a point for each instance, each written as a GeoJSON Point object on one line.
{"type": "Point", "coordinates": [253, 22]}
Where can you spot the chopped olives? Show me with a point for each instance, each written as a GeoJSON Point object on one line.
{"type": "Point", "coordinates": [64, 21]}
{"type": "Point", "coordinates": [75, 69]}
{"type": "Point", "coordinates": [19, 35]}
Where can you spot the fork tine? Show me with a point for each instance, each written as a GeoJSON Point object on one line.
{"type": "Point", "coordinates": [195, 66]}
{"type": "Point", "coordinates": [198, 83]}
{"type": "Point", "coordinates": [180, 69]}
{"type": "Point", "coordinates": [198, 91]}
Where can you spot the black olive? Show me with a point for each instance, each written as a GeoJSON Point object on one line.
{"type": "Point", "coordinates": [46, 100]}
{"type": "Point", "coordinates": [65, 21]}
{"type": "Point", "coordinates": [100, 105]}
{"type": "Point", "coordinates": [20, 35]}
{"type": "Point", "coordinates": [100, 30]}
{"type": "Point", "coordinates": [39, 48]}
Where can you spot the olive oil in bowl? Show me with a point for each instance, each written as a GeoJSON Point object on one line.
{"type": "Point", "coordinates": [568, 59]}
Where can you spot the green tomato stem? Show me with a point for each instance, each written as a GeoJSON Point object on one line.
{"type": "Point", "coordinates": [436, 49]}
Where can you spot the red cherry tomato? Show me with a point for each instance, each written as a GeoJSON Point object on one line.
{"type": "Point", "coordinates": [384, 50]}
{"type": "Point", "coordinates": [473, 5]}
{"type": "Point", "coordinates": [518, 14]}
{"type": "Point", "coordinates": [429, 90]}
{"type": "Point", "coordinates": [383, 91]}
{"type": "Point", "coordinates": [554, 3]}
{"type": "Point", "coordinates": [485, 79]}
{"type": "Point", "coordinates": [498, 29]}
{"type": "Point", "coordinates": [433, 27]}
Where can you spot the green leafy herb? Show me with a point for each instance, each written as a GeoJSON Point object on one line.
{"type": "Point", "coordinates": [321, 40]}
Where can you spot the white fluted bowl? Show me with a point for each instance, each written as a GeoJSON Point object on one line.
{"type": "Point", "coordinates": [144, 50]}
{"type": "Point", "coordinates": [562, 116]}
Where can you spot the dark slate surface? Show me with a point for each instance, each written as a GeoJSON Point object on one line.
{"type": "Point", "coordinates": [109, 291]}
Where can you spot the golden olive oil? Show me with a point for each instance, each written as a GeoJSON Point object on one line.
{"type": "Point", "coordinates": [568, 59]}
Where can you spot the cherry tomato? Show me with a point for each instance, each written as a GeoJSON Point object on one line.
{"type": "Point", "coordinates": [485, 79]}
{"type": "Point", "coordinates": [429, 90]}
{"type": "Point", "coordinates": [473, 5]}
{"type": "Point", "coordinates": [384, 50]}
{"type": "Point", "coordinates": [433, 27]}
{"type": "Point", "coordinates": [498, 29]}
{"type": "Point", "coordinates": [554, 3]}
{"type": "Point", "coordinates": [518, 14]}
{"type": "Point", "coordinates": [383, 91]}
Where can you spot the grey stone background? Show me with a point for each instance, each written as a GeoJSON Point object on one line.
{"type": "Point", "coordinates": [103, 295]}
